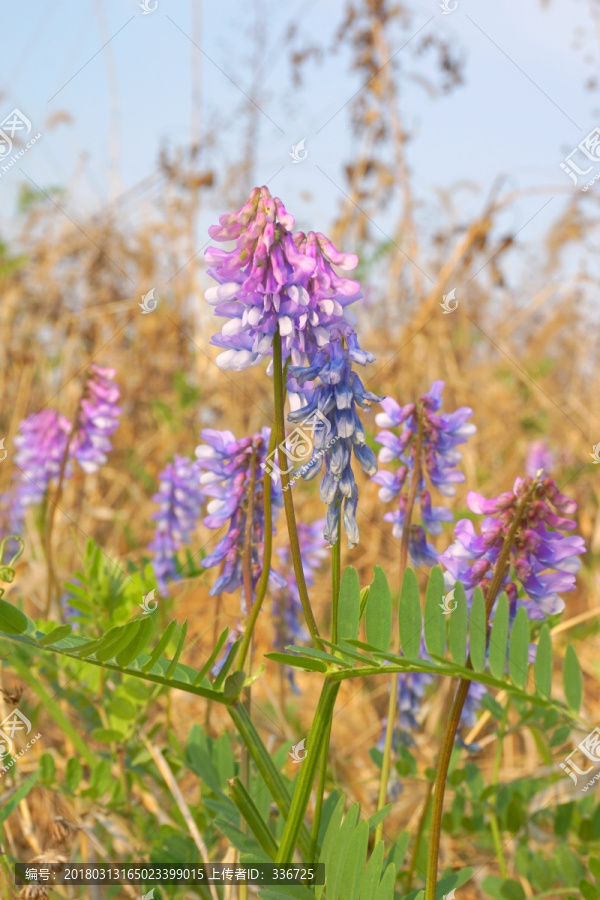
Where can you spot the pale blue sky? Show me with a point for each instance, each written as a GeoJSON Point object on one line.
{"type": "Point", "coordinates": [521, 110]}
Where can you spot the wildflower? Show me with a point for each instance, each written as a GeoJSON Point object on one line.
{"type": "Point", "coordinates": [539, 457]}
{"type": "Point", "coordinates": [44, 437]}
{"type": "Point", "coordinates": [97, 419]}
{"type": "Point", "coordinates": [228, 468]}
{"type": "Point", "coordinates": [41, 444]}
{"type": "Point", "coordinates": [543, 561]}
{"type": "Point", "coordinates": [440, 435]}
{"type": "Point", "coordinates": [336, 397]}
{"type": "Point", "coordinates": [274, 278]}
{"type": "Point", "coordinates": [180, 500]}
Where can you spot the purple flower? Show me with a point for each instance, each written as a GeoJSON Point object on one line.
{"type": "Point", "coordinates": [440, 435]}
{"type": "Point", "coordinates": [539, 457]}
{"type": "Point", "coordinates": [225, 465]}
{"type": "Point", "coordinates": [180, 500]}
{"type": "Point", "coordinates": [43, 439]}
{"type": "Point", "coordinates": [97, 419]}
{"type": "Point", "coordinates": [275, 278]}
{"type": "Point", "coordinates": [41, 444]}
{"type": "Point", "coordinates": [335, 401]}
{"type": "Point", "coordinates": [543, 561]}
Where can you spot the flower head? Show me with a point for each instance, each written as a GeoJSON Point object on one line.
{"type": "Point", "coordinates": [539, 457]}
{"type": "Point", "coordinates": [45, 437]}
{"type": "Point", "coordinates": [180, 502]}
{"type": "Point", "coordinates": [434, 436]}
{"type": "Point", "coordinates": [543, 561]}
{"type": "Point", "coordinates": [273, 278]}
{"type": "Point", "coordinates": [336, 397]}
{"type": "Point", "coordinates": [229, 469]}
{"type": "Point", "coordinates": [97, 419]}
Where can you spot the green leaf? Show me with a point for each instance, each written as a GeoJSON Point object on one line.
{"type": "Point", "coordinates": [435, 629]}
{"type": "Point", "coordinates": [18, 795]}
{"type": "Point", "coordinates": [499, 638]}
{"type": "Point", "coordinates": [572, 679]}
{"type": "Point", "coordinates": [160, 647]}
{"type": "Point", "coordinates": [410, 615]}
{"type": "Point", "coordinates": [372, 874]}
{"type": "Point", "coordinates": [518, 653]}
{"type": "Point", "coordinates": [107, 735]}
{"type": "Point", "coordinates": [378, 622]}
{"type": "Point", "coordinates": [12, 620]}
{"type": "Point", "coordinates": [349, 604]}
{"type": "Point", "coordinates": [137, 644]}
{"type": "Point", "coordinates": [329, 840]}
{"type": "Point", "coordinates": [56, 635]}
{"type": "Point", "coordinates": [379, 816]}
{"type": "Point", "coordinates": [385, 891]}
{"type": "Point", "coordinates": [334, 872]}
{"type": "Point", "coordinates": [298, 662]}
{"type": "Point", "coordinates": [355, 862]}
{"type": "Point", "coordinates": [234, 683]}
{"type": "Point", "coordinates": [178, 651]}
{"type": "Point", "coordinates": [543, 662]}
{"type": "Point", "coordinates": [478, 631]}
{"type": "Point", "coordinates": [213, 657]}
{"type": "Point", "coordinates": [457, 626]}
{"type": "Point", "coordinates": [47, 767]}
{"type": "Point", "coordinates": [73, 773]}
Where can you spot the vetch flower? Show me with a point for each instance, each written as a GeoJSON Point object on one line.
{"type": "Point", "coordinates": [275, 278]}
{"type": "Point", "coordinates": [180, 503]}
{"type": "Point", "coordinates": [539, 457]}
{"type": "Point", "coordinates": [43, 439]}
{"type": "Point", "coordinates": [41, 444]}
{"type": "Point", "coordinates": [543, 561]}
{"type": "Point", "coordinates": [336, 397]}
{"type": "Point", "coordinates": [228, 468]}
{"type": "Point", "coordinates": [438, 460]}
{"type": "Point", "coordinates": [97, 419]}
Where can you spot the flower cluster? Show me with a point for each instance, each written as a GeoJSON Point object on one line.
{"type": "Point", "coordinates": [229, 469]}
{"type": "Point", "coordinates": [539, 456]}
{"type": "Point", "coordinates": [434, 436]}
{"type": "Point", "coordinates": [98, 418]}
{"type": "Point", "coordinates": [45, 437]}
{"type": "Point", "coordinates": [180, 502]}
{"type": "Point", "coordinates": [273, 278]}
{"type": "Point", "coordinates": [543, 561]}
{"type": "Point", "coordinates": [335, 399]}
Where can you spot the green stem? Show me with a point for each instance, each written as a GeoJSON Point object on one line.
{"type": "Point", "coordinates": [278, 384]}
{"type": "Point", "coordinates": [459, 701]}
{"type": "Point", "coordinates": [261, 588]}
{"type": "Point", "coordinates": [265, 765]}
{"type": "Point", "coordinates": [301, 797]}
{"type": "Point", "coordinates": [248, 591]}
{"type": "Point", "coordinates": [496, 771]}
{"type": "Point", "coordinates": [418, 836]}
{"type": "Point", "coordinates": [336, 578]}
{"type": "Point", "coordinates": [391, 717]}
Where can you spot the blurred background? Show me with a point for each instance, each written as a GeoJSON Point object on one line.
{"type": "Point", "coordinates": [427, 137]}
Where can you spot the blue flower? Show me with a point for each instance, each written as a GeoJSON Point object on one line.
{"type": "Point", "coordinates": [542, 561]}
{"type": "Point", "coordinates": [335, 400]}
{"type": "Point", "coordinates": [225, 465]}
{"type": "Point", "coordinates": [440, 435]}
{"type": "Point", "coordinates": [180, 500]}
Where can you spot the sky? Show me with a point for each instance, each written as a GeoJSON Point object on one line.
{"type": "Point", "coordinates": [107, 85]}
